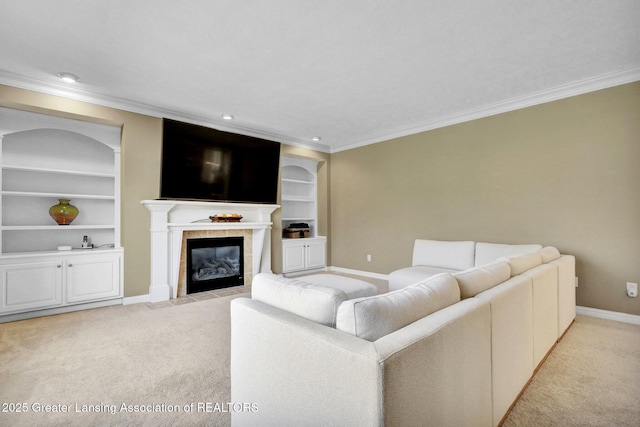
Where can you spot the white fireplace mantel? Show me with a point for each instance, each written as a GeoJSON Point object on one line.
{"type": "Point", "coordinates": [170, 218]}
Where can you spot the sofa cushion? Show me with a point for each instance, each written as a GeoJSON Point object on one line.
{"type": "Point", "coordinates": [436, 253]}
{"type": "Point", "coordinates": [479, 279]}
{"type": "Point", "coordinates": [373, 317]}
{"type": "Point", "coordinates": [523, 262]}
{"type": "Point", "coordinates": [318, 303]}
{"type": "Point", "coordinates": [411, 275]}
{"type": "Point", "coordinates": [548, 254]}
{"type": "Point", "coordinates": [489, 252]}
{"type": "Point", "coordinates": [354, 288]}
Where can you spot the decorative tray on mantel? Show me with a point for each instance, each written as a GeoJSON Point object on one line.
{"type": "Point", "coordinates": [226, 218]}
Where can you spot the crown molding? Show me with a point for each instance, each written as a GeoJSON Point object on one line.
{"type": "Point", "coordinates": [78, 94]}
{"type": "Point", "coordinates": [565, 91]}
{"type": "Point", "coordinates": [579, 87]}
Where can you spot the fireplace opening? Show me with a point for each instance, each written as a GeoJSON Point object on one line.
{"type": "Point", "coordinates": [214, 263]}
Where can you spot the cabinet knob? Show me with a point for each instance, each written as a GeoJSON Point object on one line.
{"type": "Point", "coordinates": [70, 265]}
{"type": "Point", "coordinates": [59, 265]}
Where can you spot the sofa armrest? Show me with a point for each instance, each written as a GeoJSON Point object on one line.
{"type": "Point", "coordinates": [437, 370]}
{"type": "Point", "coordinates": [298, 372]}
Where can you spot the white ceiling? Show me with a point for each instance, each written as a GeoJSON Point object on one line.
{"type": "Point", "coordinates": [353, 72]}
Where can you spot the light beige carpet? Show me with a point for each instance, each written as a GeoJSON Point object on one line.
{"type": "Point", "coordinates": [173, 356]}
{"type": "Point", "coordinates": [592, 378]}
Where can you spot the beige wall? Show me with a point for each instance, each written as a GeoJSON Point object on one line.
{"type": "Point", "coordinates": [141, 152]}
{"type": "Point", "coordinates": [566, 174]}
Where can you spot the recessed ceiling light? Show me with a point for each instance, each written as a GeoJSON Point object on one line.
{"type": "Point", "coordinates": [227, 116]}
{"type": "Point", "coordinates": [68, 77]}
{"type": "Point", "coordinates": [316, 139]}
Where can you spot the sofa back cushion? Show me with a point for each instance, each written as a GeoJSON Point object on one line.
{"type": "Point", "coordinates": [315, 302]}
{"type": "Point", "coordinates": [479, 279]}
{"type": "Point", "coordinates": [489, 252]}
{"type": "Point", "coordinates": [548, 254]}
{"type": "Point", "coordinates": [373, 317]}
{"type": "Point", "coordinates": [437, 253]}
{"type": "Point", "coordinates": [523, 262]}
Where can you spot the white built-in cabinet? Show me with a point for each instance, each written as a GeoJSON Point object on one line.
{"type": "Point", "coordinates": [299, 201]}
{"type": "Point", "coordinates": [42, 159]}
{"type": "Point", "coordinates": [303, 254]}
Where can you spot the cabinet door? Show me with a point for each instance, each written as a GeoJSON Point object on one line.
{"type": "Point", "coordinates": [315, 254]}
{"type": "Point", "coordinates": [31, 286]}
{"type": "Point", "coordinates": [93, 279]}
{"type": "Point", "coordinates": [293, 256]}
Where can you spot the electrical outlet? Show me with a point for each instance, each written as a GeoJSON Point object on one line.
{"type": "Point", "coordinates": [369, 257]}
{"type": "Point", "coordinates": [576, 277]}
{"type": "Point", "coordinates": [632, 290]}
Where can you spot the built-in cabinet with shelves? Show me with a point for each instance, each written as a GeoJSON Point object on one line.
{"type": "Point", "coordinates": [43, 159]}
{"type": "Point", "coordinates": [299, 201]}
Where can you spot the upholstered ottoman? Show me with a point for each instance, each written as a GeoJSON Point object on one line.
{"type": "Point", "coordinates": [354, 288]}
{"type": "Point", "coordinates": [316, 297]}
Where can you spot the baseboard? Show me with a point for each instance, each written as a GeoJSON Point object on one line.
{"type": "Point", "coordinates": [59, 310]}
{"type": "Point", "coordinates": [359, 273]}
{"type": "Point", "coordinates": [136, 300]}
{"type": "Point", "coordinates": [610, 315]}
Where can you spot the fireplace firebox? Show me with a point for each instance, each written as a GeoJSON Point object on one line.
{"type": "Point", "coordinates": [214, 263]}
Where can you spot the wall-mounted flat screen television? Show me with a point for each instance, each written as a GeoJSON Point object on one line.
{"type": "Point", "coordinates": [201, 163]}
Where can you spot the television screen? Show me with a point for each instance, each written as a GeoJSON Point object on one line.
{"type": "Point", "coordinates": [200, 163]}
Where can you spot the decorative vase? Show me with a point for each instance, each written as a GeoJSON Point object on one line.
{"type": "Point", "coordinates": [63, 213]}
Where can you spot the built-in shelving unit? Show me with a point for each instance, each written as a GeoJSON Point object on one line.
{"type": "Point", "coordinates": [299, 192]}
{"type": "Point", "coordinates": [44, 159]}
{"type": "Point", "coordinates": [299, 200]}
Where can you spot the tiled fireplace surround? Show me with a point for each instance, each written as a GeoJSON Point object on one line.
{"type": "Point", "coordinates": [247, 236]}
{"type": "Point", "coordinates": [173, 222]}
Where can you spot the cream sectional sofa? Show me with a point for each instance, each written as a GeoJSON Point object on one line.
{"type": "Point", "coordinates": [455, 349]}
{"type": "Point", "coordinates": [436, 256]}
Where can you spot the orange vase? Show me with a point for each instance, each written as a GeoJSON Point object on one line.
{"type": "Point", "coordinates": [63, 213]}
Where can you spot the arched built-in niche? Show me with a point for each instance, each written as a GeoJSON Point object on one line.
{"type": "Point", "coordinates": [46, 266]}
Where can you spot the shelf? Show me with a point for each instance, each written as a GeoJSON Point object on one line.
{"type": "Point", "coordinates": [55, 227]}
{"type": "Point", "coordinates": [55, 253]}
{"type": "Point", "coordinates": [57, 171]}
{"type": "Point", "coordinates": [298, 219]}
{"type": "Point", "coordinates": [303, 239]}
{"type": "Point", "coordinates": [298, 199]}
{"type": "Point", "coordinates": [57, 195]}
{"type": "Point", "coordinates": [297, 181]}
